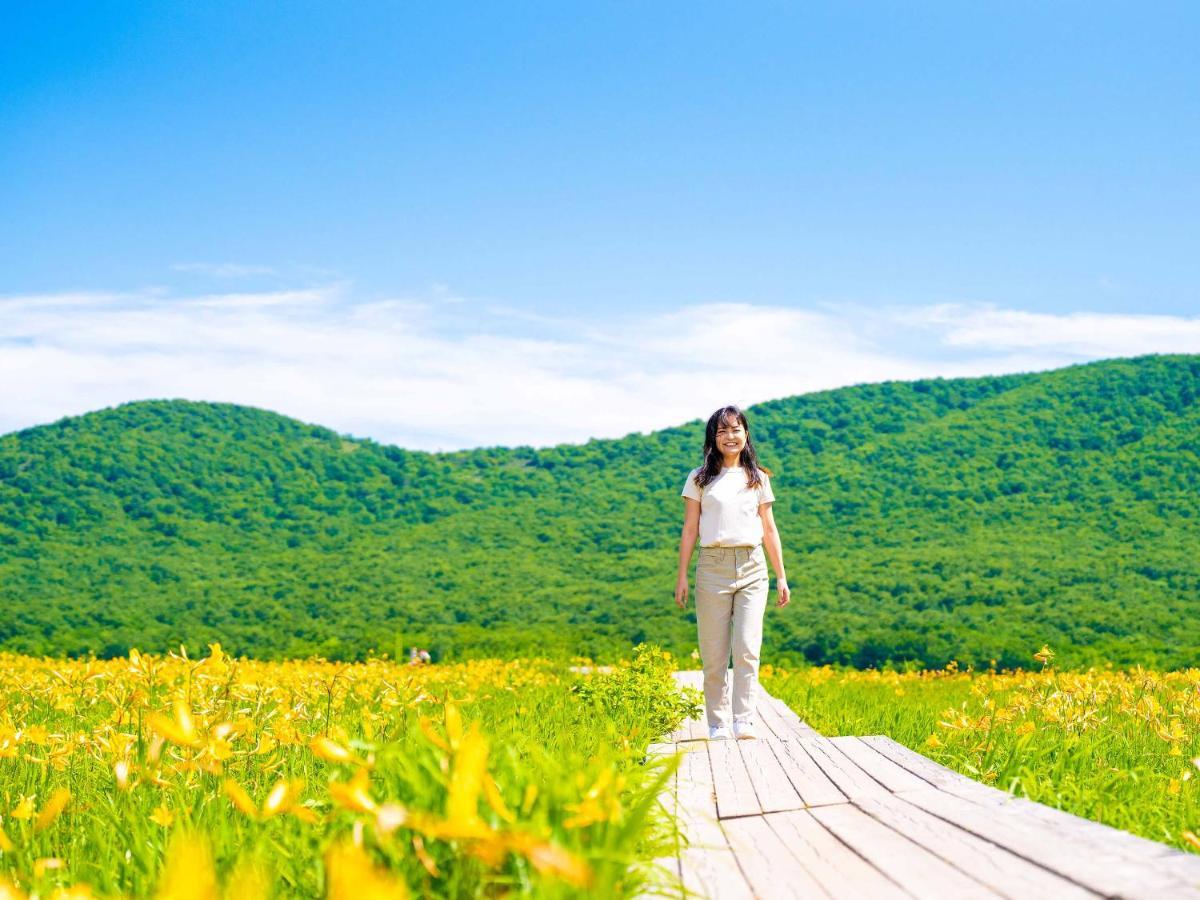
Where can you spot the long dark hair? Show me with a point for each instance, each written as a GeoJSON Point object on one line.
{"type": "Point", "coordinates": [713, 458]}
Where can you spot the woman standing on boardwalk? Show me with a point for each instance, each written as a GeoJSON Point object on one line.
{"type": "Point", "coordinates": [727, 507]}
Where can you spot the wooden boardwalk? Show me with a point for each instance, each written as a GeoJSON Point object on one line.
{"type": "Point", "coordinates": [796, 814]}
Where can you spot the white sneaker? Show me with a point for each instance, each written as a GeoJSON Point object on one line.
{"type": "Point", "coordinates": [745, 731]}
{"type": "Point", "coordinates": [719, 733]}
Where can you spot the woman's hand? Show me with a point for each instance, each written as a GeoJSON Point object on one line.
{"type": "Point", "coordinates": [785, 593]}
{"type": "Point", "coordinates": [681, 592]}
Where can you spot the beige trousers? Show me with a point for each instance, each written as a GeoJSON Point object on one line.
{"type": "Point", "coordinates": [731, 597]}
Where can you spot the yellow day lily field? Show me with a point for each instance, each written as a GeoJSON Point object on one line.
{"type": "Point", "coordinates": [165, 776]}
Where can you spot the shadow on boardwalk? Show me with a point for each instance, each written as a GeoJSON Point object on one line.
{"type": "Point", "coordinates": [796, 814]}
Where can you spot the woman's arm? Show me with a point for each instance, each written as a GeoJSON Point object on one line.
{"type": "Point", "coordinates": [774, 548]}
{"type": "Point", "coordinates": [687, 543]}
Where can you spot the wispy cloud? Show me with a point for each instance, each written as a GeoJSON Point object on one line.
{"type": "Point", "coordinates": [1085, 334]}
{"type": "Point", "coordinates": [443, 372]}
{"type": "Point", "coordinates": [223, 270]}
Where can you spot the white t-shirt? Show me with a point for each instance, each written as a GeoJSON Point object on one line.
{"type": "Point", "coordinates": [728, 509]}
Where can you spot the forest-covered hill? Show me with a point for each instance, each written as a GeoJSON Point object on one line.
{"type": "Point", "coordinates": [973, 519]}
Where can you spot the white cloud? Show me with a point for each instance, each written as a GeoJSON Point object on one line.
{"type": "Point", "coordinates": [1085, 334]}
{"type": "Point", "coordinates": [444, 372]}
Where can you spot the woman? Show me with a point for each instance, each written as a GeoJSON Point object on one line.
{"type": "Point", "coordinates": [727, 507]}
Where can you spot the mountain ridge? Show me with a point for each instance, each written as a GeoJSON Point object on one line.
{"type": "Point", "coordinates": [913, 514]}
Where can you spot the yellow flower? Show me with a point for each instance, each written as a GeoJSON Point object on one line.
{"type": "Point", "coordinates": [45, 864]}
{"type": "Point", "coordinates": [74, 892]}
{"type": "Point", "coordinates": [283, 797]}
{"type": "Point", "coordinates": [188, 873]}
{"type": "Point", "coordinates": [551, 859]}
{"type": "Point", "coordinates": [351, 875]}
{"type": "Point", "coordinates": [162, 816]}
{"type": "Point", "coordinates": [55, 805]}
{"type": "Point", "coordinates": [354, 794]}
{"type": "Point", "coordinates": [933, 741]}
{"type": "Point", "coordinates": [248, 881]}
{"type": "Point", "coordinates": [466, 781]}
{"type": "Point", "coordinates": [24, 809]}
{"type": "Point", "coordinates": [389, 817]}
{"type": "Point", "coordinates": [491, 792]}
{"type": "Point", "coordinates": [181, 730]}
{"type": "Point", "coordinates": [240, 799]}
{"type": "Point", "coordinates": [331, 751]}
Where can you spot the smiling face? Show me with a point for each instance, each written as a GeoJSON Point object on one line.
{"type": "Point", "coordinates": [731, 438]}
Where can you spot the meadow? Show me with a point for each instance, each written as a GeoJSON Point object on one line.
{"type": "Point", "coordinates": [172, 777]}
{"type": "Point", "coordinates": [1118, 746]}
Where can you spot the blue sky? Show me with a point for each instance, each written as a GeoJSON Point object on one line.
{"type": "Point", "coordinates": [913, 188]}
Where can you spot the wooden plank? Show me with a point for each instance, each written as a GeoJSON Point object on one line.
{"type": "Point", "coordinates": [731, 781]}
{"type": "Point", "coordinates": [770, 867]}
{"type": "Point", "coordinates": [696, 802]}
{"type": "Point", "coordinates": [708, 866]}
{"type": "Point", "coordinates": [775, 793]}
{"type": "Point", "coordinates": [935, 773]}
{"type": "Point", "coordinates": [905, 862]}
{"type": "Point", "coordinates": [770, 721]}
{"type": "Point", "coordinates": [1085, 832]}
{"type": "Point", "coordinates": [891, 775]}
{"type": "Point", "coordinates": [1098, 834]}
{"type": "Point", "coordinates": [793, 721]}
{"type": "Point", "coordinates": [849, 778]}
{"type": "Point", "coordinates": [1051, 848]}
{"type": "Point", "coordinates": [842, 873]}
{"type": "Point", "coordinates": [810, 782]}
{"type": "Point", "coordinates": [690, 730]}
{"type": "Point", "coordinates": [1097, 840]}
{"type": "Point", "coordinates": [989, 863]}
{"type": "Point", "coordinates": [665, 874]}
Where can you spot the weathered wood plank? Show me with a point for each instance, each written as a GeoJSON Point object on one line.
{"type": "Point", "coordinates": [891, 775]}
{"type": "Point", "coordinates": [908, 864]}
{"type": "Point", "coordinates": [809, 780]}
{"type": "Point", "coordinates": [666, 875]}
{"type": "Point", "coordinates": [738, 841]}
{"type": "Point", "coordinates": [842, 873]}
{"type": "Point", "coordinates": [1099, 835]}
{"type": "Point", "coordinates": [789, 717]}
{"type": "Point", "coordinates": [842, 771]}
{"type": "Point", "coordinates": [708, 866]}
{"type": "Point", "coordinates": [770, 721]}
{"type": "Point", "coordinates": [1063, 853]}
{"type": "Point", "coordinates": [775, 793]}
{"type": "Point", "coordinates": [1084, 832]}
{"type": "Point", "coordinates": [697, 730]}
{"type": "Point", "coordinates": [770, 866]}
{"type": "Point", "coordinates": [987, 862]}
{"type": "Point", "coordinates": [935, 773]}
{"type": "Point", "coordinates": [731, 780]}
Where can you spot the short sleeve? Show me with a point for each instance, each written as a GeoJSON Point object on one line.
{"type": "Point", "coordinates": [765, 494]}
{"type": "Point", "coordinates": [690, 488]}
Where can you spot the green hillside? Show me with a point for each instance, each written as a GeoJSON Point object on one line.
{"type": "Point", "coordinates": [973, 519]}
